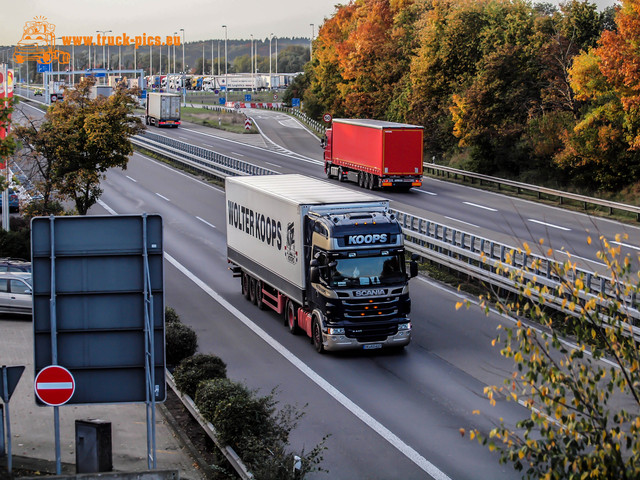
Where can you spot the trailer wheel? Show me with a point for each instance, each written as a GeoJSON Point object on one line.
{"type": "Point", "coordinates": [361, 177]}
{"type": "Point", "coordinates": [374, 182]}
{"type": "Point", "coordinates": [316, 336]}
{"type": "Point", "coordinates": [252, 290]}
{"type": "Point", "coordinates": [245, 285]}
{"type": "Point", "coordinates": [259, 301]}
{"type": "Point", "coordinates": [341, 177]}
{"type": "Point", "coordinates": [290, 317]}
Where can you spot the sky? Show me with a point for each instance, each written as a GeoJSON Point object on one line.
{"type": "Point", "coordinates": [200, 19]}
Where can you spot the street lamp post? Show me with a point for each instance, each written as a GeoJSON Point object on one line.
{"type": "Point", "coordinates": [270, 75]}
{"type": "Point", "coordinates": [174, 53]}
{"type": "Point", "coordinates": [251, 62]}
{"type": "Point", "coordinates": [183, 67]}
{"type": "Point", "coordinates": [226, 75]}
{"type": "Point", "coordinates": [103, 49]}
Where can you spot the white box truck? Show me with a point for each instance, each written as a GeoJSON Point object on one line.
{"type": "Point", "coordinates": [330, 260]}
{"type": "Point", "coordinates": [163, 109]}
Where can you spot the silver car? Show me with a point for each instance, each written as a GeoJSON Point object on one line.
{"type": "Point", "coordinates": [16, 293]}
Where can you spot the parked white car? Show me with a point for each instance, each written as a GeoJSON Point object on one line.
{"type": "Point", "coordinates": [16, 293]}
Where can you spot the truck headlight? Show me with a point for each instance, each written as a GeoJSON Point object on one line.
{"type": "Point", "coordinates": [404, 326]}
{"type": "Point", "coordinates": [335, 331]}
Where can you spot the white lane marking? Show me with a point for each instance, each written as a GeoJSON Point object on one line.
{"type": "Point", "coordinates": [273, 164]}
{"type": "Point", "coordinates": [626, 245]}
{"type": "Point", "coordinates": [163, 197]}
{"type": "Point", "coordinates": [178, 172]}
{"type": "Point", "coordinates": [184, 138]}
{"type": "Point", "coordinates": [424, 191]}
{"type": "Point", "coordinates": [131, 178]}
{"type": "Point", "coordinates": [239, 154]}
{"type": "Point", "coordinates": [475, 301]}
{"type": "Point", "coordinates": [581, 258]}
{"type": "Point", "coordinates": [204, 221]}
{"type": "Point", "coordinates": [550, 225]}
{"type": "Point", "coordinates": [480, 206]}
{"type": "Point", "coordinates": [462, 221]}
{"type": "Point", "coordinates": [54, 385]}
{"type": "Point", "coordinates": [384, 432]}
{"type": "Point", "coordinates": [107, 207]}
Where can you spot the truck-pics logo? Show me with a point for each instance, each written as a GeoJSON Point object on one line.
{"type": "Point", "coordinates": [256, 224]}
{"type": "Point", "coordinates": [38, 43]}
{"type": "Point", "coordinates": [290, 248]}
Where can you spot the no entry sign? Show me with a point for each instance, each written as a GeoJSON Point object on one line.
{"type": "Point", "coordinates": [54, 385]}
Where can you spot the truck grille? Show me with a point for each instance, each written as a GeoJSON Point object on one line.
{"type": "Point", "coordinates": [368, 309]}
{"type": "Point", "coordinates": [371, 332]}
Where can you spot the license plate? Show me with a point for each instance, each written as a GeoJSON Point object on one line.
{"type": "Point", "coordinates": [372, 346]}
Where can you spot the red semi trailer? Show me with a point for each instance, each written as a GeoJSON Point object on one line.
{"type": "Point", "coordinates": [374, 153]}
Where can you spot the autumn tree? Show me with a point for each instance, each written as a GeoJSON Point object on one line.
{"type": "Point", "coordinates": [583, 393]}
{"type": "Point", "coordinates": [7, 141]}
{"type": "Point", "coordinates": [80, 139]}
{"type": "Point", "coordinates": [603, 148]}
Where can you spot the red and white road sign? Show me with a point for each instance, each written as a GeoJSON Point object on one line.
{"type": "Point", "coordinates": [54, 385]}
{"type": "Point", "coordinates": [247, 124]}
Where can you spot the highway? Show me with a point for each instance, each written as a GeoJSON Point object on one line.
{"type": "Point", "coordinates": [292, 149]}
{"type": "Point", "coordinates": [388, 415]}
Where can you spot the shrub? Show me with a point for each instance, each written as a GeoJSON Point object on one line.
{"type": "Point", "coordinates": [181, 342]}
{"type": "Point", "coordinates": [258, 432]}
{"type": "Point", "coordinates": [171, 316]}
{"type": "Point", "coordinates": [16, 243]}
{"type": "Point", "coordinates": [193, 370]}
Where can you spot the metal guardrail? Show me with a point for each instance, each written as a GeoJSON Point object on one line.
{"type": "Point", "coordinates": [441, 170]}
{"type": "Point", "coordinates": [494, 262]}
{"type": "Point", "coordinates": [207, 161]}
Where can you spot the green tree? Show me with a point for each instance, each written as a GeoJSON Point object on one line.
{"type": "Point", "coordinates": [583, 395]}
{"type": "Point", "coordinates": [80, 139]}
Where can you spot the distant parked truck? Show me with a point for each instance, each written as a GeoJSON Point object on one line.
{"type": "Point", "coordinates": [374, 153]}
{"type": "Point", "coordinates": [163, 109]}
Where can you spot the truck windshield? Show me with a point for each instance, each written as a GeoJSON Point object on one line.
{"type": "Point", "coordinates": [350, 272]}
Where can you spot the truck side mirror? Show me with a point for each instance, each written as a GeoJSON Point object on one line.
{"type": "Point", "coordinates": [314, 274]}
{"type": "Point", "coordinates": [413, 266]}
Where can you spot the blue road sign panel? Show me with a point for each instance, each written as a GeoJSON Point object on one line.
{"type": "Point", "coordinates": [108, 281]}
{"type": "Point", "coordinates": [97, 72]}
{"type": "Point", "coordinates": [295, 102]}
{"type": "Point", "coordinates": [247, 97]}
{"type": "Point", "coordinates": [44, 67]}
{"type": "Point", "coordinates": [222, 100]}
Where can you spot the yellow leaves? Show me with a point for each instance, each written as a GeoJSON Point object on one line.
{"type": "Point", "coordinates": [588, 240]}
{"type": "Point", "coordinates": [472, 435]}
{"type": "Point", "coordinates": [476, 412]}
{"type": "Point", "coordinates": [527, 249]}
{"type": "Point", "coordinates": [462, 432]}
{"type": "Point", "coordinates": [458, 305]}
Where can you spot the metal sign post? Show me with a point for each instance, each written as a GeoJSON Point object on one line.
{"type": "Point", "coordinates": [10, 378]}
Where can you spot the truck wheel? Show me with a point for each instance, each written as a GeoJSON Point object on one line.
{"type": "Point", "coordinates": [327, 170]}
{"type": "Point", "coordinates": [340, 175]}
{"type": "Point", "coordinates": [252, 290]}
{"type": "Point", "coordinates": [374, 182]}
{"type": "Point", "coordinates": [290, 317]}
{"type": "Point", "coordinates": [316, 336]}
{"type": "Point", "coordinates": [245, 285]}
{"type": "Point", "coordinates": [259, 301]}
{"type": "Point", "coordinates": [361, 177]}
